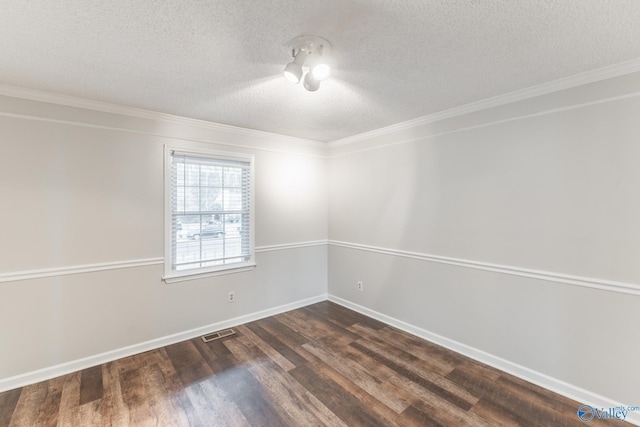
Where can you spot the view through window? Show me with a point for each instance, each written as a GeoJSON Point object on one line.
{"type": "Point", "coordinates": [210, 212]}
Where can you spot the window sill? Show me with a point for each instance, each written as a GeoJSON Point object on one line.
{"type": "Point", "coordinates": [183, 277]}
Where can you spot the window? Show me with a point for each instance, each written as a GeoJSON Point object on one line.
{"type": "Point", "coordinates": [209, 213]}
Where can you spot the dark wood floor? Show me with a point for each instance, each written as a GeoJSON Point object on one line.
{"type": "Point", "coordinates": [319, 365]}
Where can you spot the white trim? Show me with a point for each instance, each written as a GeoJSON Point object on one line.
{"type": "Point", "coordinates": [557, 386]}
{"type": "Point", "coordinates": [291, 246]}
{"type": "Point", "coordinates": [605, 285]}
{"type": "Point", "coordinates": [105, 107]}
{"type": "Point", "coordinates": [587, 77]}
{"type": "Point", "coordinates": [487, 124]}
{"type": "Point", "coordinates": [77, 269]}
{"type": "Point", "coordinates": [157, 134]}
{"type": "Point", "coordinates": [171, 276]}
{"type": "Point", "coordinates": [584, 78]}
{"type": "Point", "coordinates": [105, 266]}
{"type": "Point", "coordinates": [177, 278]}
{"type": "Point", "coordinates": [98, 359]}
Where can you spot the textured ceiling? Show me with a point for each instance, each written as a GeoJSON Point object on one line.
{"type": "Point", "coordinates": [221, 61]}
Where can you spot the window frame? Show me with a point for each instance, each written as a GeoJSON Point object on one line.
{"type": "Point", "coordinates": [172, 276]}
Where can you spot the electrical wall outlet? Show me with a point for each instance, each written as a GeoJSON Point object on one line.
{"type": "Point", "coordinates": [360, 285]}
{"type": "Point", "coordinates": [232, 297]}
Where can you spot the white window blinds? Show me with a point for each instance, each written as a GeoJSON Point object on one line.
{"type": "Point", "coordinates": [210, 213]}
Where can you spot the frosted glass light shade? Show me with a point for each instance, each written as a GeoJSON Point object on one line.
{"type": "Point", "coordinates": [310, 83]}
{"type": "Point", "coordinates": [321, 72]}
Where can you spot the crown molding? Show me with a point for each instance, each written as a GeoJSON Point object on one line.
{"type": "Point", "coordinates": [424, 136]}
{"type": "Point", "coordinates": [105, 107]}
{"type": "Point", "coordinates": [580, 79]}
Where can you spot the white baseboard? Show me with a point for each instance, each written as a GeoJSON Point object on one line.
{"type": "Point", "coordinates": [109, 356]}
{"type": "Point", "coordinates": [571, 391]}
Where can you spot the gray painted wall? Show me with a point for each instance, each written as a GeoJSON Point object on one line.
{"type": "Point", "coordinates": [81, 187]}
{"type": "Point", "coordinates": [548, 184]}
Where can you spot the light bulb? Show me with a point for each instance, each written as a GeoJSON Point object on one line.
{"type": "Point", "coordinates": [321, 71]}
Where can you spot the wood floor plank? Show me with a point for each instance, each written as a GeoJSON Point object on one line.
{"type": "Point", "coordinates": [50, 406]}
{"type": "Point", "coordinates": [393, 397]}
{"type": "Point", "coordinates": [133, 392]}
{"type": "Point", "coordinates": [267, 347]}
{"type": "Point", "coordinates": [378, 370]}
{"type": "Point", "coordinates": [213, 406]}
{"type": "Point", "coordinates": [341, 402]}
{"type": "Point", "coordinates": [166, 390]}
{"type": "Point", "coordinates": [408, 367]}
{"type": "Point", "coordinates": [446, 413]}
{"type": "Point", "coordinates": [249, 396]}
{"type": "Point", "coordinates": [8, 402]}
{"type": "Point", "coordinates": [321, 365]}
{"type": "Point", "coordinates": [287, 385]}
{"type": "Point", "coordinates": [91, 384]}
{"type": "Point", "coordinates": [70, 401]}
{"type": "Point", "coordinates": [386, 339]}
{"type": "Point", "coordinates": [216, 354]}
{"type": "Point", "coordinates": [288, 336]}
{"type": "Point", "coordinates": [184, 399]}
{"type": "Point", "coordinates": [315, 329]}
{"type": "Point", "coordinates": [341, 316]}
{"type": "Point", "coordinates": [377, 409]}
{"type": "Point", "coordinates": [161, 407]}
{"type": "Point", "coordinates": [438, 358]}
{"type": "Point", "coordinates": [113, 410]}
{"type": "Point", "coordinates": [285, 397]}
{"type": "Point", "coordinates": [270, 339]}
{"type": "Point", "coordinates": [505, 399]}
{"type": "Point", "coordinates": [188, 362]}
{"type": "Point", "coordinates": [239, 384]}
{"type": "Point", "coordinates": [205, 401]}
{"type": "Point", "coordinates": [90, 414]}
{"type": "Point", "coordinates": [28, 405]}
{"type": "Point", "coordinates": [420, 418]}
{"type": "Point", "coordinates": [551, 403]}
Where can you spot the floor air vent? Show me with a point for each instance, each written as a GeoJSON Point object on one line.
{"type": "Point", "coordinates": [217, 335]}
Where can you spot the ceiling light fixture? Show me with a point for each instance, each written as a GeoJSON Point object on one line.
{"type": "Point", "coordinates": [293, 70]}
{"type": "Point", "coordinates": [311, 83]}
{"type": "Point", "coordinates": [310, 55]}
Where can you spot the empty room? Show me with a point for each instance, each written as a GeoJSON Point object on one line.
{"type": "Point", "coordinates": [338, 213]}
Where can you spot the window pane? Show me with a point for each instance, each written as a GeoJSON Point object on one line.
{"type": "Point", "coordinates": [179, 202]}
{"type": "Point", "coordinates": [192, 199]}
{"type": "Point", "coordinates": [192, 175]}
{"type": "Point", "coordinates": [232, 177]}
{"type": "Point", "coordinates": [209, 188]}
{"type": "Point", "coordinates": [209, 199]}
{"type": "Point", "coordinates": [211, 176]}
{"type": "Point", "coordinates": [233, 199]}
